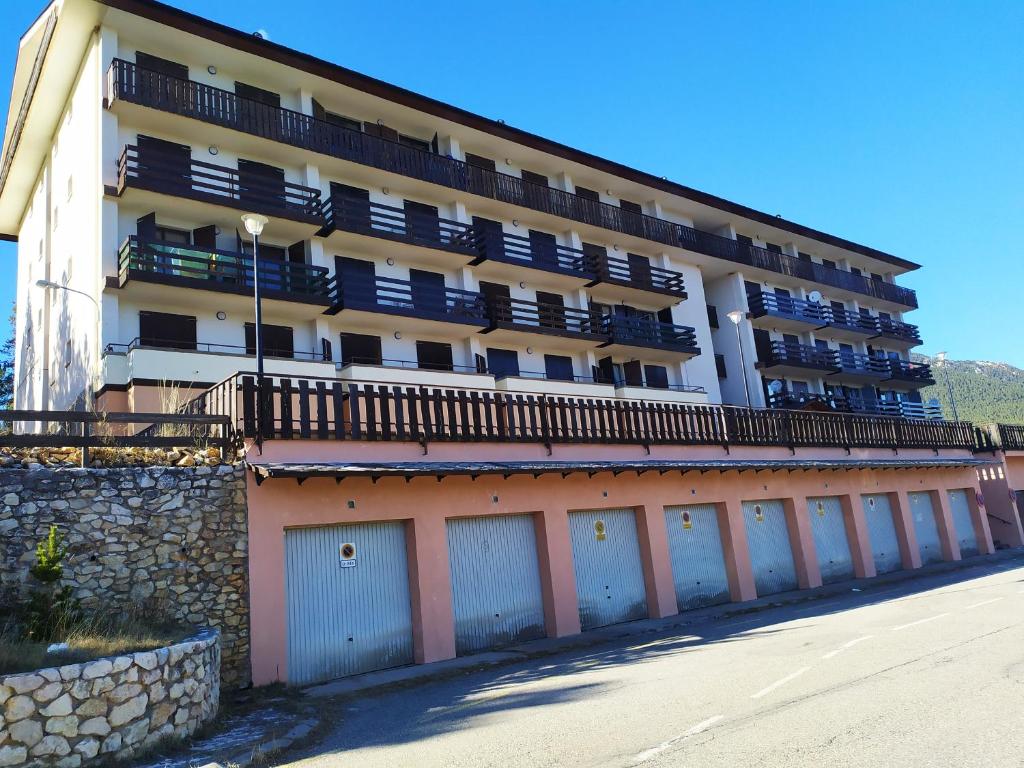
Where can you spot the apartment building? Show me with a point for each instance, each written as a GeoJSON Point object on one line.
{"type": "Point", "coordinates": [446, 296]}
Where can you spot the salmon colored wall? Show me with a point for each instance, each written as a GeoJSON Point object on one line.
{"type": "Point", "coordinates": [424, 504]}
{"type": "Point", "coordinates": [998, 484]}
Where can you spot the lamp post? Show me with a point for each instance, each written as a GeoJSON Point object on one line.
{"type": "Point", "coordinates": [254, 224]}
{"type": "Point", "coordinates": [50, 285]}
{"type": "Point", "coordinates": [940, 361]}
{"type": "Point", "coordinates": [736, 316]}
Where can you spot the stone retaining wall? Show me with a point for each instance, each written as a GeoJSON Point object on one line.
{"type": "Point", "coordinates": [173, 539]}
{"type": "Point", "coordinates": [113, 707]}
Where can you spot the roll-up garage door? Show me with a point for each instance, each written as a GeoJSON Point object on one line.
{"type": "Point", "coordinates": [963, 523]}
{"type": "Point", "coordinates": [609, 573]}
{"type": "Point", "coordinates": [347, 588]}
{"type": "Point", "coordinates": [695, 547]}
{"type": "Point", "coordinates": [771, 555]}
{"type": "Point", "coordinates": [830, 539]}
{"type": "Point", "coordinates": [925, 527]}
{"type": "Point", "coordinates": [496, 591]}
{"type": "Point", "coordinates": [885, 546]}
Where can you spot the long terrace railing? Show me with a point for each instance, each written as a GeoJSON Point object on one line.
{"type": "Point", "coordinates": [128, 82]}
{"type": "Point", "coordinates": [328, 409]}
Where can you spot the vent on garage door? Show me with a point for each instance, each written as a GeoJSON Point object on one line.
{"type": "Point", "coordinates": [496, 590]}
{"type": "Point", "coordinates": [606, 562]}
{"type": "Point", "coordinates": [695, 547]}
{"type": "Point", "coordinates": [347, 591]}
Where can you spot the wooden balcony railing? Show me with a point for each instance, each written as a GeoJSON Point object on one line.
{"type": "Point", "coordinates": [549, 256]}
{"type": "Point", "coordinates": [866, 324]}
{"type": "Point", "coordinates": [652, 334]}
{"type": "Point", "coordinates": [393, 223]}
{"type": "Point", "coordinates": [393, 296]}
{"type": "Point", "coordinates": [551, 319]}
{"type": "Point", "coordinates": [906, 371]}
{"type": "Point", "coordinates": [898, 331]}
{"type": "Point", "coordinates": [327, 409]}
{"type": "Point", "coordinates": [616, 271]}
{"type": "Point", "coordinates": [859, 364]}
{"type": "Point", "coordinates": [763, 303]}
{"type": "Point", "coordinates": [801, 356]}
{"type": "Point", "coordinates": [128, 82]}
{"type": "Point", "coordinates": [198, 180]}
{"type": "Point", "coordinates": [156, 261]}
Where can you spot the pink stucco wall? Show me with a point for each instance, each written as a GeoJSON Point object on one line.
{"type": "Point", "coordinates": [424, 504]}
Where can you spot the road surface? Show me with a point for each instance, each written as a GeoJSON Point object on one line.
{"type": "Point", "coordinates": [925, 672]}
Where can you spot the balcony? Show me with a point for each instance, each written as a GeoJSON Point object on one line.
{"type": "Point", "coordinates": [812, 401]}
{"type": "Point", "coordinates": [128, 83]}
{"type": "Point", "coordinates": [210, 269]}
{"type": "Point", "coordinates": [861, 368]}
{"type": "Point", "coordinates": [770, 310]}
{"type": "Point", "coordinates": [363, 299]}
{"type": "Point", "coordinates": [649, 338]}
{"type": "Point", "coordinates": [783, 359]}
{"type": "Point", "coordinates": [532, 253]}
{"type": "Point", "coordinates": [636, 276]}
{"type": "Point", "coordinates": [843, 324]}
{"type": "Point", "coordinates": [195, 180]}
{"type": "Point", "coordinates": [509, 318]}
{"type": "Point", "coordinates": [367, 219]}
{"type": "Point", "coordinates": [908, 373]}
{"type": "Point", "coordinates": [897, 334]}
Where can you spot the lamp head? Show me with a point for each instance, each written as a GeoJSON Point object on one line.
{"type": "Point", "coordinates": [47, 284]}
{"type": "Point", "coordinates": [254, 223]}
{"type": "Point", "coordinates": [736, 315]}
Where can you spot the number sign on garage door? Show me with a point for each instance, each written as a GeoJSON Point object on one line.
{"type": "Point", "coordinates": [496, 590]}
{"type": "Point", "coordinates": [348, 608]}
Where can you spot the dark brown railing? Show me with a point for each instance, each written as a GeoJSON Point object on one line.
{"type": "Point", "coordinates": [217, 184]}
{"type": "Point", "coordinates": [393, 296]}
{"type": "Point", "coordinates": [328, 409]}
{"type": "Point", "coordinates": [999, 437]}
{"type": "Point", "coordinates": [800, 355]}
{"type": "Point", "coordinates": [649, 333]}
{"type": "Point", "coordinates": [905, 370]}
{"type": "Point", "coordinates": [128, 82]}
{"type": "Point", "coordinates": [535, 317]}
{"type": "Point", "coordinates": [510, 248]}
{"type": "Point", "coordinates": [218, 270]}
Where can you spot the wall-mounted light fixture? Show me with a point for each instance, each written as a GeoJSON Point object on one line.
{"type": "Point", "coordinates": [214, 150]}
{"type": "Point", "coordinates": [615, 247]}
{"type": "Point", "coordinates": [515, 222]}
{"type": "Point", "coordinates": [398, 334]}
{"type": "Point", "coordinates": [390, 261]}
{"type": "Point", "coordinates": [386, 191]}
{"type": "Point", "coordinates": [222, 315]}
{"type": "Point", "coordinates": [211, 69]}
{"type": "Point", "coordinates": [529, 350]}
{"type": "Point", "coordinates": [507, 161]}
{"type": "Point", "coordinates": [522, 285]}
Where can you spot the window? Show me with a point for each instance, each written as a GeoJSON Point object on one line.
{"type": "Point", "coordinates": [828, 263]}
{"type": "Point", "coordinates": [162, 329]}
{"type": "Point", "coordinates": [343, 122]}
{"type": "Point", "coordinates": [161, 66]}
{"type": "Point", "coordinates": [588, 194]}
{"type": "Point", "coordinates": [713, 315]}
{"type": "Point", "coordinates": [535, 178]}
{"type": "Point", "coordinates": [558, 367]}
{"type": "Point", "coordinates": [257, 94]}
{"type": "Point", "coordinates": [434, 356]}
{"type": "Point", "coordinates": [176, 236]}
{"type": "Point", "coordinates": [502, 362]}
{"type": "Point", "coordinates": [876, 276]}
{"type": "Point", "coordinates": [773, 247]}
{"type": "Point", "coordinates": [278, 340]}
{"type": "Point", "coordinates": [803, 256]}
{"type": "Point", "coordinates": [358, 348]}
{"type": "Point", "coordinates": [656, 376]}
{"type": "Point", "coordinates": [630, 206]}
{"type": "Point", "coordinates": [477, 161]}
{"type": "Point", "coordinates": [855, 271]}
{"type": "Point", "coordinates": [720, 366]}
{"type": "Point", "coordinates": [411, 141]}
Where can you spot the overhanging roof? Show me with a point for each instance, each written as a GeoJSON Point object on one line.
{"type": "Point", "coordinates": [440, 469]}
{"type": "Point", "coordinates": [246, 42]}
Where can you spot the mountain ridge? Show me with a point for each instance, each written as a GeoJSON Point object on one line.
{"type": "Point", "coordinates": [984, 390]}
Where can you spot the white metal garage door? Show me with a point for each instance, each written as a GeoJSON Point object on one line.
{"type": "Point", "coordinates": [885, 546]}
{"type": "Point", "coordinates": [963, 523]}
{"type": "Point", "coordinates": [771, 555]}
{"type": "Point", "coordinates": [347, 591]}
{"type": "Point", "coordinates": [925, 527]}
{"type": "Point", "coordinates": [695, 547]}
{"type": "Point", "coordinates": [830, 539]}
{"type": "Point", "coordinates": [496, 591]}
{"type": "Point", "coordinates": [609, 573]}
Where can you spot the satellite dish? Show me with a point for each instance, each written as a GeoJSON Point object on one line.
{"type": "Point", "coordinates": [775, 386]}
{"type": "Point", "coordinates": [814, 297]}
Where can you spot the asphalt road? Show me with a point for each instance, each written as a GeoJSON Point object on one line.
{"type": "Point", "coordinates": [928, 672]}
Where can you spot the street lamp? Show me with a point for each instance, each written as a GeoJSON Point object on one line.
{"type": "Point", "coordinates": [50, 284]}
{"type": "Point", "coordinates": [736, 316]}
{"type": "Point", "coordinates": [254, 224]}
{"type": "Point", "coordinates": [940, 361]}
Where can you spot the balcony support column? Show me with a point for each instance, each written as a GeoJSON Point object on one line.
{"type": "Point", "coordinates": [564, 181]}
{"type": "Point", "coordinates": [450, 146]}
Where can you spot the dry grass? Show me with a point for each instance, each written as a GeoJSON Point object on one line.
{"type": "Point", "coordinates": [95, 636]}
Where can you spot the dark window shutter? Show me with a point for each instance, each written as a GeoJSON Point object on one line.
{"type": "Point", "coordinates": [587, 194]}
{"type": "Point", "coordinates": [319, 113]}
{"type": "Point", "coordinates": [502, 362]}
{"type": "Point", "coordinates": [630, 207]}
{"type": "Point", "coordinates": [145, 227]}
{"type": "Point", "coordinates": [427, 289]}
{"type": "Point", "coordinates": [205, 237]}
{"type": "Point", "coordinates": [163, 66]}
{"type": "Point", "coordinates": [297, 252]}
{"type": "Point", "coordinates": [380, 130]}
{"type": "Point", "coordinates": [634, 374]}
{"type": "Point", "coordinates": [257, 94]}
{"type": "Point", "coordinates": [712, 315]}
{"type": "Point", "coordinates": [720, 366]}
{"type": "Point", "coordinates": [412, 141]}
{"type": "Point", "coordinates": [477, 161]}
{"type": "Point", "coordinates": [278, 340]}
{"type": "Point", "coordinates": [536, 178]}
{"type": "Point", "coordinates": [828, 263]}
{"type": "Point", "coordinates": [606, 371]}
{"type": "Point", "coordinates": [360, 348]}
{"type": "Point", "coordinates": [558, 367]}
{"type": "Point", "coordinates": [752, 289]}
{"type": "Point", "coordinates": [656, 376]}
{"type": "Point", "coordinates": [803, 256]}
{"type": "Point", "coordinates": [434, 356]}
{"type": "Point", "coordinates": [551, 313]}
{"type": "Point", "coordinates": [162, 329]}
{"type": "Point", "coordinates": [421, 222]}
{"type": "Point", "coordinates": [665, 315]}
{"type": "Point", "coordinates": [639, 269]}
{"type": "Point", "coordinates": [325, 350]}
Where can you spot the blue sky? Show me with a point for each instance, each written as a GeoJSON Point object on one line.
{"type": "Point", "coordinates": [897, 125]}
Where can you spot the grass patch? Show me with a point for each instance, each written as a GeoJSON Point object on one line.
{"type": "Point", "coordinates": [92, 637]}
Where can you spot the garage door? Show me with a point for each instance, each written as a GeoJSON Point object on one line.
{"type": "Point", "coordinates": [830, 540]}
{"type": "Point", "coordinates": [606, 561]}
{"type": "Point", "coordinates": [771, 555]}
{"type": "Point", "coordinates": [695, 546]}
{"type": "Point", "coordinates": [496, 592]}
{"type": "Point", "coordinates": [963, 523]}
{"type": "Point", "coordinates": [885, 546]}
{"type": "Point", "coordinates": [347, 588]}
{"type": "Point", "coordinates": [925, 527]}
